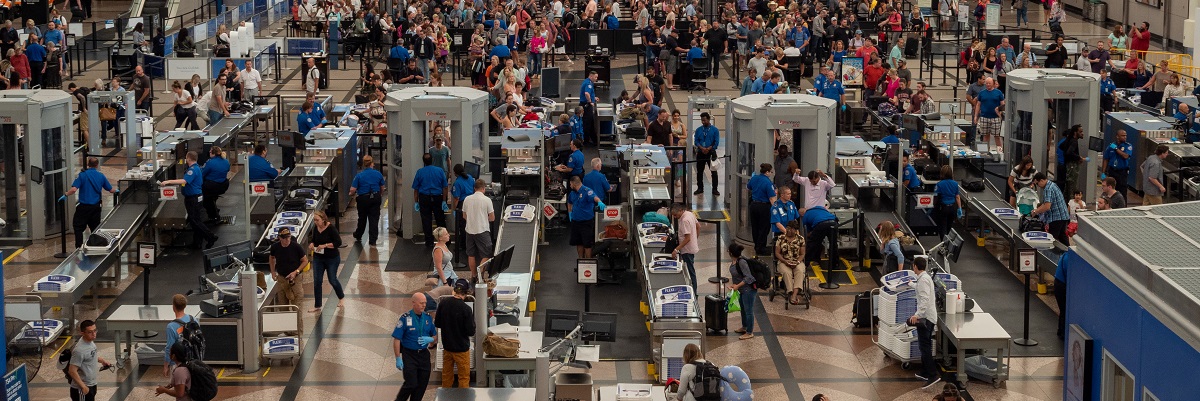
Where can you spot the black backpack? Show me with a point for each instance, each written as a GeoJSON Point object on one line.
{"type": "Point", "coordinates": [192, 339]}
{"type": "Point", "coordinates": [706, 384]}
{"type": "Point", "coordinates": [64, 363]}
{"type": "Point", "coordinates": [204, 381]}
{"type": "Point", "coordinates": [760, 271]}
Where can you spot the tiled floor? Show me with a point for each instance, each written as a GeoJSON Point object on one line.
{"type": "Point", "coordinates": [801, 352]}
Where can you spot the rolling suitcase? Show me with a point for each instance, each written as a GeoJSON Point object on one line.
{"type": "Point", "coordinates": [910, 47]}
{"type": "Point", "coordinates": [716, 318]}
{"type": "Point", "coordinates": [862, 310]}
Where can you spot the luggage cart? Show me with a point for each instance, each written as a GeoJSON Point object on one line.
{"type": "Point", "coordinates": [898, 341]}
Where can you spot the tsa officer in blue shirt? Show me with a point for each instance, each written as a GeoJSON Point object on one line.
{"type": "Point", "coordinates": [216, 182]}
{"type": "Point", "coordinates": [464, 186]}
{"type": "Point", "coordinates": [429, 190]}
{"type": "Point", "coordinates": [821, 225]}
{"type": "Point", "coordinates": [88, 184]}
{"type": "Point", "coordinates": [833, 89]}
{"type": "Point", "coordinates": [762, 193]}
{"type": "Point", "coordinates": [193, 184]}
{"type": "Point", "coordinates": [581, 205]}
{"type": "Point", "coordinates": [413, 338]}
{"type": "Point", "coordinates": [783, 211]}
{"type": "Point", "coordinates": [1116, 161]}
{"type": "Point", "coordinates": [705, 141]}
{"type": "Point", "coordinates": [368, 185]}
{"type": "Point", "coordinates": [949, 204]}
{"type": "Point", "coordinates": [587, 100]}
{"type": "Point", "coordinates": [912, 181]}
{"type": "Point", "coordinates": [574, 165]}
{"type": "Point", "coordinates": [1108, 90]}
{"type": "Point", "coordinates": [260, 169]}
{"type": "Point", "coordinates": [308, 119]}
{"type": "Point", "coordinates": [597, 182]}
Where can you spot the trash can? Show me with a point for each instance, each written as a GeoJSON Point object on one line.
{"type": "Point", "coordinates": [1099, 11]}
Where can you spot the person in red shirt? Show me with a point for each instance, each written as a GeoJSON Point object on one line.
{"type": "Point", "coordinates": [1141, 39]}
{"type": "Point", "coordinates": [871, 75]}
{"type": "Point", "coordinates": [868, 50]}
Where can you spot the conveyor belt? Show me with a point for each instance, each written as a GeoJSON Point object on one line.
{"type": "Point", "coordinates": [657, 281]}
{"type": "Point", "coordinates": [523, 237]}
{"type": "Point", "coordinates": [982, 204]}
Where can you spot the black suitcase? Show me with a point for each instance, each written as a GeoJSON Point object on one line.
{"type": "Point", "coordinates": [911, 46]}
{"type": "Point", "coordinates": [716, 318]}
{"type": "Point", "coordinates": [862, 310]}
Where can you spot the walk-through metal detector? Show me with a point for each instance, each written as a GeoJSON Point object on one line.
{"type": "Point", "coordinates": [1038, 99]}
{"type": "Point", "coordinates": [133, 140]}
{"type": "Point", "coordinates": [35, 157]}
{"type": "Point", "coordinates": [412, 114]}
{"type": "Point", "coordinates": [812, 121]}
{"type": "Point", "coordinates": [696, 106]}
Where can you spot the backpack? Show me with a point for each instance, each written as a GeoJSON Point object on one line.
{"type": "Point", "coordinates": [192, 339]}
{"type": "Point", "coordinates": [204, 382]}
{"type": "Point", "coordinates": [706, 384]}
{"type": "Point", "coordinates": [760, 271]}
{"type": "Point", "coordinates": [964, 58]}
{"type": "Point", "coordinates": [64, 363]}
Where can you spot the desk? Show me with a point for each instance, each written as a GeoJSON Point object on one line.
{"type": "Point", "coordinates": [129, 318]}
{"type": "Point", "coordinates": [978, 331]}
{"type": "Point", "coordinates": [486, 394]}
{"type": "Point", "coordinates": [658, 393]}
{"type": "Point", "coordinates": [526, 358]}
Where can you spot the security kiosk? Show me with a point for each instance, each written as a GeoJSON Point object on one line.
{"type": "Point", "coordinates": [35, 141]}
{"type": "Point", "coordinates": [413, 113]}
{"type": "Point", "coordinates": [1036, 98]}
{"type": "Point", "coordinates": [757, 120]}
{"type": "Point", "coordinates": [133, 139]}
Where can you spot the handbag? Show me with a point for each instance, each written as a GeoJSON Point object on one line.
{"type": "Point", "coordinates": [496, 346]}
{"type": "Point", "coordinates": [108, 114]}
{"type": "Point", "coordinates": [734, 303]}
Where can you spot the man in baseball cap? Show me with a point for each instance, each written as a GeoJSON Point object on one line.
{"type": "Point", "coordinates": [456, 321]}
{"type": "Point", "coordinates": [287, 257]}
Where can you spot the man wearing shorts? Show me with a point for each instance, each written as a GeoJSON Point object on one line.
{"type": "Point", "coordinates": [581, 204]}
{"type": "Point", "coordinates": [479, 213]}
{"type": "Point", "coordinates": [987, 113]}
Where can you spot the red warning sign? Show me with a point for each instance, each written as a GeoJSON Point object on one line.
{"type": "Point", "coordinates": [587, 273]}
{"type": "Point", "coordinates": [168, 193]}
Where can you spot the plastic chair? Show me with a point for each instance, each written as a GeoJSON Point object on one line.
{"type": "Point", "coordinates": [701, 69]}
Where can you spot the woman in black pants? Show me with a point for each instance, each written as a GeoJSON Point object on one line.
{"type": "Point", "coordinates": [185, 108]}
{"type": "Point", "coordinates": [948, 203]}
{"type": "Point", "coordinates": [326, 259]}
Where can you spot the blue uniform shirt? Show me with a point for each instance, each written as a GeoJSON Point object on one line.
{"type": "Point", "coordinates": [90, 182]}
{"type": "Point", "coordinates": [819, 83]}
{"type": "Point", "coordinates": [501, 51]}
{"type": "Point", "coordinates": [816, 215]}
{"type": "Point", "coordinates": [261, 170]}
{"type": "Point", "coordinates": [583, 203]}
{"type": "Point", "coordinates": [576, 127]}
{"type": "Point", "coordinates": [947, 190]}
{"type": "Point", "coordinates": [35, 52]}
{"type": "Point", "coordinates": [429, 180]}
{"type": "Point", "coordinates": [412, 327]}
{"type": "Point", "coordinates": [612, 22]}
{"type": "Point", "coordinates": [194, 178]}
{"type": "Point", "coordinates": [783, 213]}
{"type": "Point", "coordinates": [216, 169]}
{"type": "Point", "coordinates": [706, 136]}
{"type": "Point", "coordinates": [463, 187]}
{"type": "Point", "coordinates": [890, 139]}
{"type": "Point", "coordinates": [370, 181]}
{"type": "Point", "coordinates": [761, 188]}
{"type": "Point", "coordinates": [588, 87]}
{"type": "Point", "coordinates": [1061, 273]}
{"type": "Point", "coordinates": [1114, 160]}
{"type": "Point", "coordinates": [833, 90]}
{"type": "Point", "coordinates": [694, 53]}
{"type": "Point", "coordinates": [307, 121]}
{"type": "Point", "coordinates": [597, 180]}
{"type": "Point", "coordinates": [1107, 87]}
{"type": "Point", "coordinates": [399, 52]}
{"type": "Point", "coordinates": [769, 88]}
{"type": "Point", "coordinates": [576, 163]}
{"type": "Point", "coordinates": [910, 175]}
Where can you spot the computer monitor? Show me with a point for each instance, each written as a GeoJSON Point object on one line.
{"type": "Point", "coordinates": [499, 263]}
{"type": "Point", "coordinates": [610, 158]}
{"type": "Point", "coordinates": [560, 322]}
{"type": "Point", "coordinates": [472, 169]}
{"type": "Point", "coordinates": [600, 326]}
{"type": "Point", "coordinates": [562, 143]}
{"type": "Point", "coordinates": [837, 191]}
{"type": "Point", "coordinates": [954, 245]}
{"type": "Point", "coordinates": [219, 258]}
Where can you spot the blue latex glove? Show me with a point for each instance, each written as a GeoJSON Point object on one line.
{"type": "Point", "coordinates": [62, 198]}
{"type": "Point", "coordinates": [424, 340]}
{"type": "Point", "coordinates": [960, 213]}
{"type": "Point", "coordinates": [399, 363]}
{"type": "Point", "coordinates": [445, 206]}
{"type": "Point", "coordinates": [417, 207]}
{"type": "Point", "coordinates": [1103, 176]}
{"type": "Point", "coordinates": [1087, 159]}
{"type": "Point", "coordinates": [1112, 146]}
{"type": "Point", "coordinates": [601, 205]}
{"type": "Point", "coordinates": [843, 107]}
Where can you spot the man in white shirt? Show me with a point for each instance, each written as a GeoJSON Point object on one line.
{"type": "Point", "coordinates": [251, 81]}
{"type": "Point", "coordinates": [557, 9]}
{"type": "Point", "coordinates": [688, 230]}
{"type": "Point", "coordinates": [816, 188]}
{"type": "Point", "coordinates": [314, 75]}
{"type": "Point", "coordinates": [479, 213]}
{"type": "Point", "coordinates": [926, 320]}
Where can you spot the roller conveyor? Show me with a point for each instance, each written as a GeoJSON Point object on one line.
{"type": "Point", "coordinates": [523, 237]}
{"type": "Point", "coordinates": [653, 283]}
{"type": "Point", "coordinates": [983, 203]}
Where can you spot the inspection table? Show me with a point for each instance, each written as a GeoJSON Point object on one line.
{"type": "Point", "coordinates": [978, 331]}
{"type": "Point", "coordinates": [526, 358]}
{"type": "Point", "coordinates": [609, 393]}
{"type": "Point", "coordinates": [128, 319]}
{"type": "Point", "coordinates": [486, 394]}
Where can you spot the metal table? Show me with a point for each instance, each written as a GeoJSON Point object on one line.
{"type": "Point", "coordinates": [526, 358]}
{"type": "Point", "coordinates": [978, 331]}
{"type": "Point", "coordinates": [609, 393]}
{"type": "Point", "coordinates": [486, 394]}
{"type": "Point", "coordinates": [130, 318]}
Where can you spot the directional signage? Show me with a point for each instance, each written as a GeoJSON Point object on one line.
{"type": "Point", "coordinates": [16, 385]}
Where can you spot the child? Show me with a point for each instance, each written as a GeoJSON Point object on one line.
{"type": "Point", "coordinates": [1073, 207]}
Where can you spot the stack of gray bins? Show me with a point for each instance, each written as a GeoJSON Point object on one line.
{"type": "Point", "coordinates": [983, 368]}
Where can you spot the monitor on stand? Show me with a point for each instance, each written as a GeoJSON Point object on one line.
{"type": "Point", "coordinates": [472, 169]}
{"type": "Point", "coordinates": [560, 322]}
{"type": "Point", "coordinates": [499, 263]}
{"type": "Point", "coordinates": [600, 326]}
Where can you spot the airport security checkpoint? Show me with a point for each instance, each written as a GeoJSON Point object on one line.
{"type": "Point", "coordinates": [524, 204]}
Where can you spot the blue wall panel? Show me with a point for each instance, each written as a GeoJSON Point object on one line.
{"type": "Point", "coordinates": [1158, 359]}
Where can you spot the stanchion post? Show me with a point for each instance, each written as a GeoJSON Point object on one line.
{"type": "Point", "coordinates": [1026, 264]}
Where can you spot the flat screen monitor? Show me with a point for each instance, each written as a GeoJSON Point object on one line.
{"type": "Point", "coordinates": [219, 258]}
{"type": "Point", "coordinates": [600, 326]}
{"type": "Point", "coordinates": [1096, 144]}
{"type": "Point", "coordinates": [562, 143]}
{"type": "Point", "coordinates": [499, 263]}
{"type": "Point", "coordinates": [954, 245]}
{"type": "Point", "coordinates": [560, 322]}
{"type": "Point", "coordinates": [286, 139]}
{"type": "Point", "coordinates": [472, 169]}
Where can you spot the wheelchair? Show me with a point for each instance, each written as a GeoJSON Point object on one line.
{"type": "Point", "coordinates": [779, 288]}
